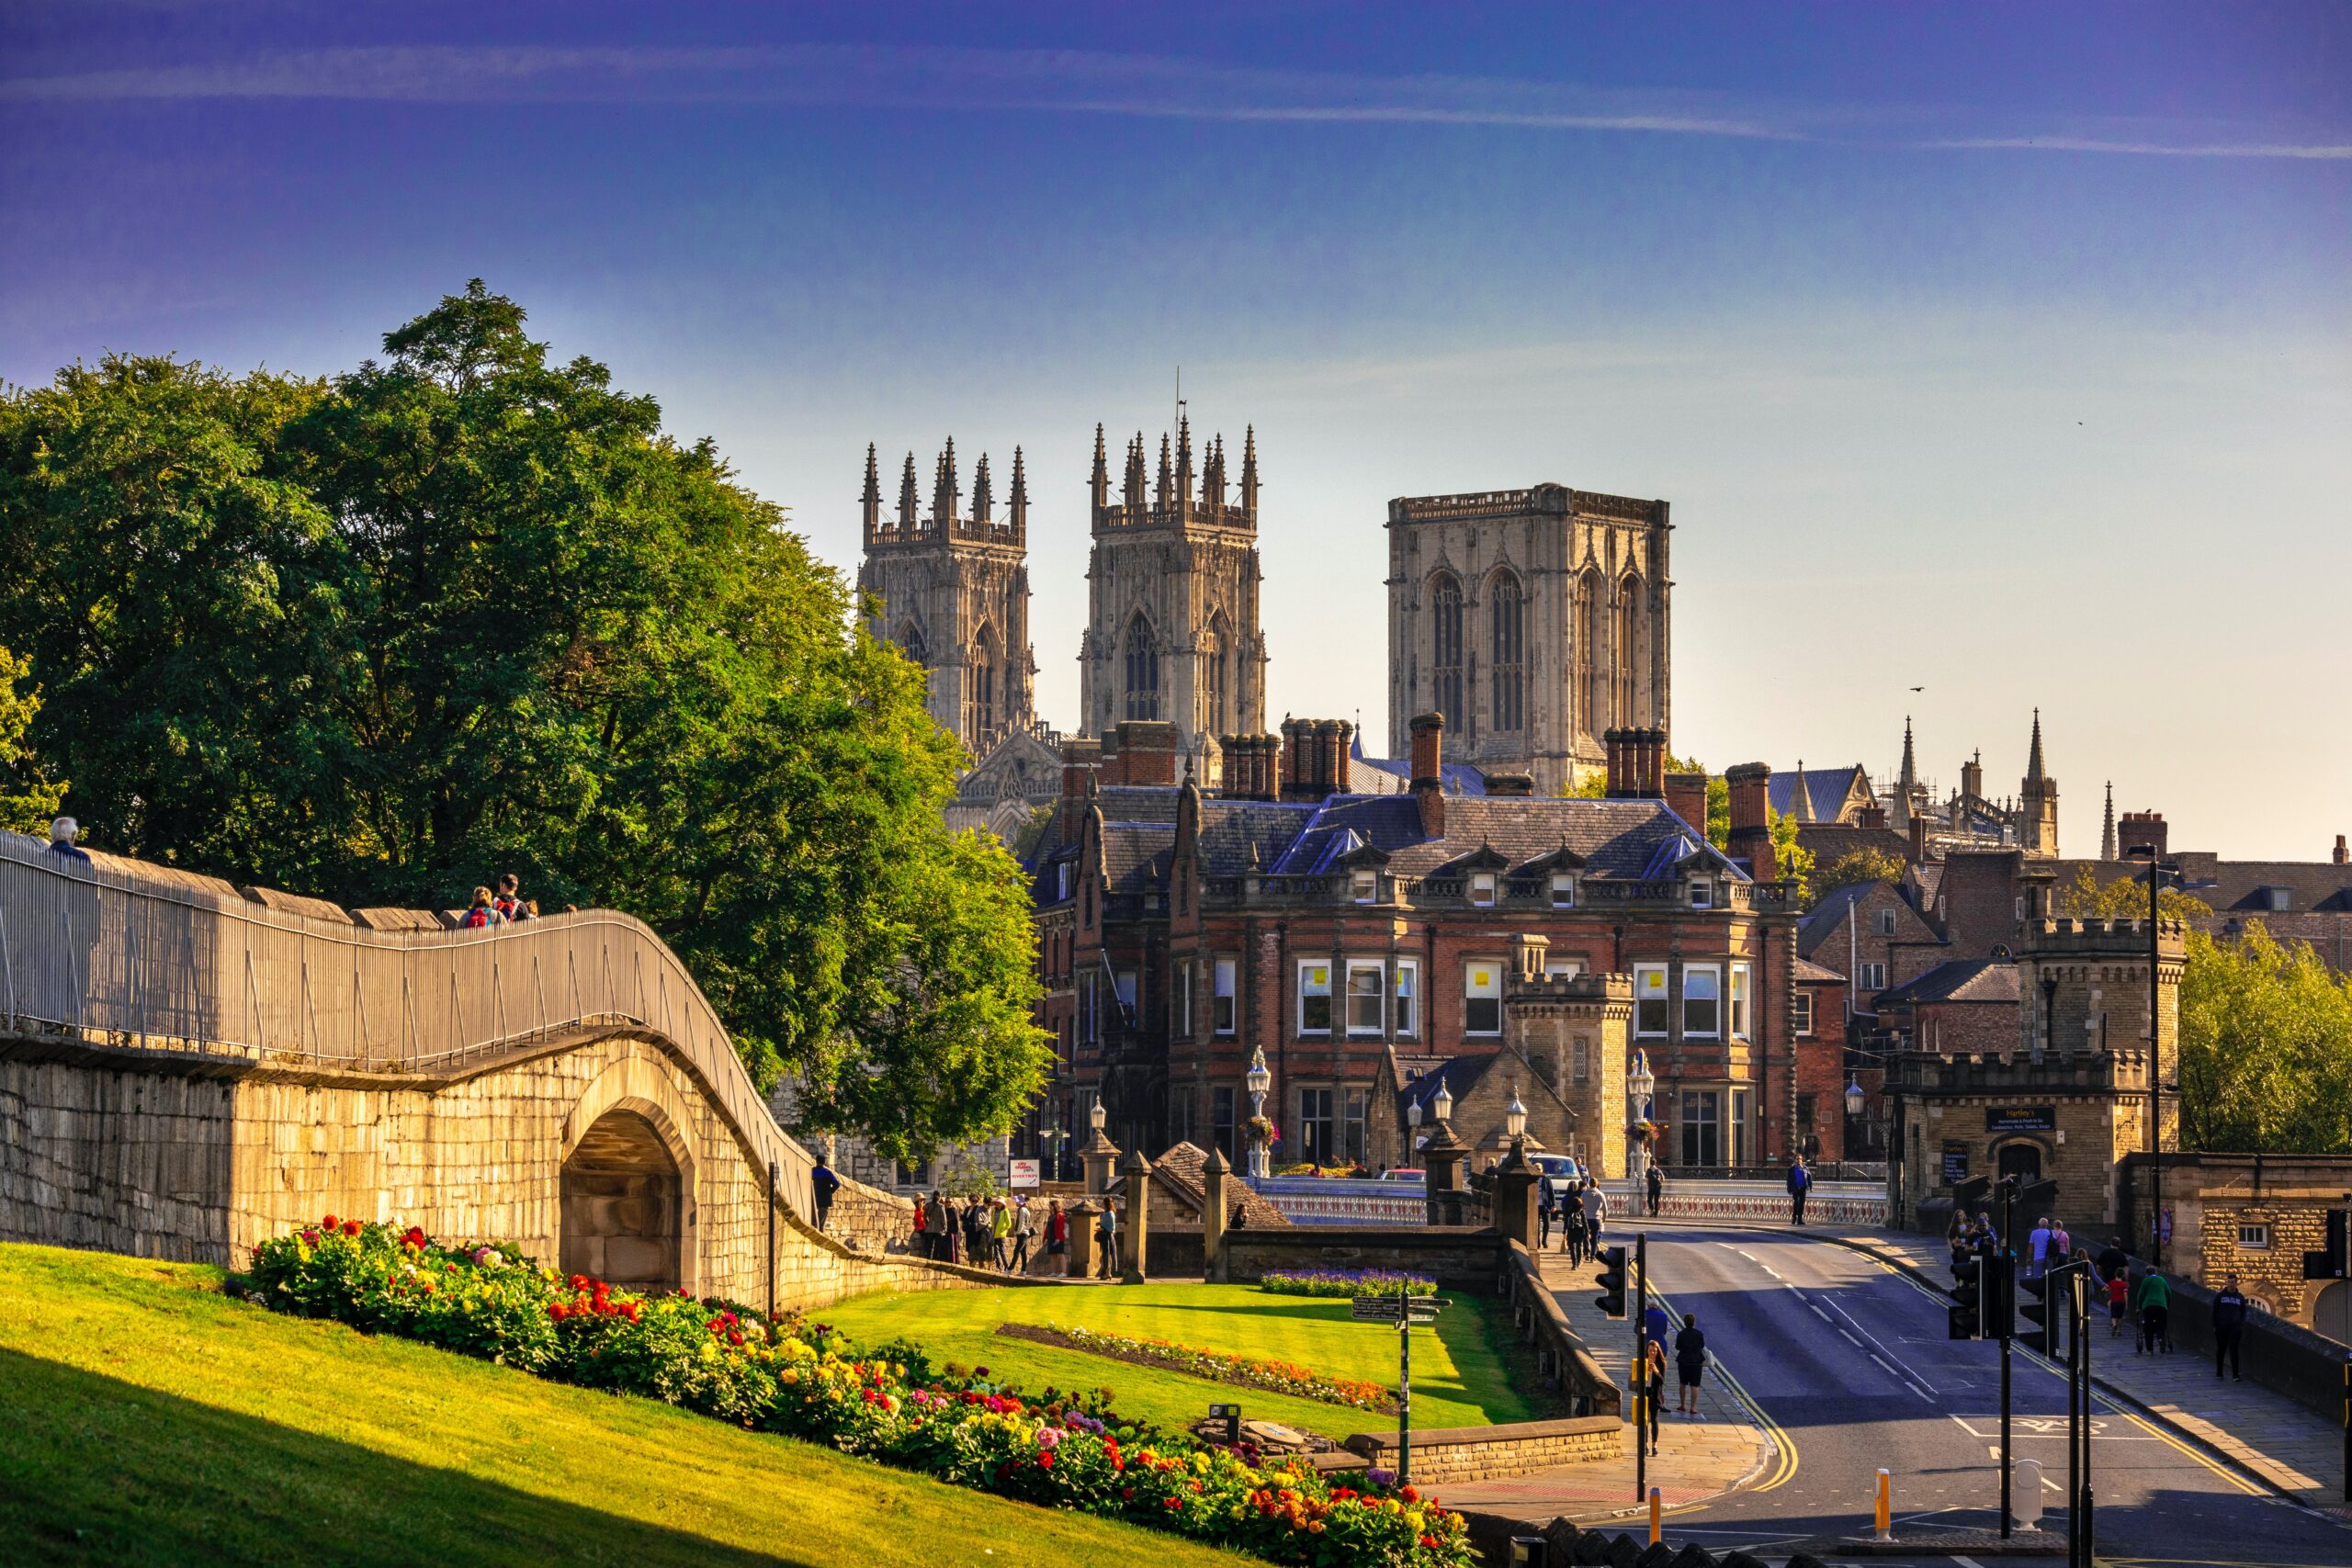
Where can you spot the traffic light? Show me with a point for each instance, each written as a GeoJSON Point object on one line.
{"type": "Point", "coordinates": [2000, 1296]}
{"type": "Point", "coordinates": [1612, 1281]}
{"type": "Point", "coordinates": [2043, 1313]}
{"type": "Point", "coordinates": [1965, 1315]}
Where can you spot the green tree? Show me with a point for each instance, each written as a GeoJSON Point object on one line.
{"type": "Point", "coordinates": [1718, 824]}
{"type": "Point", "coordinates": [2125, 898]}
{"type": "Point", "coordinates": [2266, 1048]}
{"type": "Point", "coordinates": [27, 800]}
{"type": "Point", "coordinates": [1863, 864]}
{"type": "Point", "coordinates": [464, 611]}
{"type": "Point", "coordinates": [1790, 859]}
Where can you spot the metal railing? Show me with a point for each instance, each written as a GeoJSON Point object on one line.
{"type": "Point", "coordinates": [125, 954]}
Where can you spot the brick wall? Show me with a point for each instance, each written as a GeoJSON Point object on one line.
{"type": "Point", "coordinates": [1444, 1456]}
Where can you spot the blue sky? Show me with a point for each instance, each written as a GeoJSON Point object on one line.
{"type": "Point", "coordinates": [2005, 351]}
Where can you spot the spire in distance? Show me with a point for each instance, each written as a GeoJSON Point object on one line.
{"type": "Point", "coordinates": [2106, 832]}
{"type": "Point", "coordinates": [1017, 502]}
{"type": "Point", "coordinates": [907, 495]}
{"type": "Point", "coordinates": [982, 501]}
{"type": "Point", "coordinates": [871, 501]}
{"type": "Point", "coordinates": [2034, 772]}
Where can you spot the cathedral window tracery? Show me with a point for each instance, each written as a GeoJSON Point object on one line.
{"type": "Point", "coordinates": [1445, 654]}
{"type": "Point", "coordinates": [1142, 670]}
{"type": "Point", "coordinates": [1507, 622]}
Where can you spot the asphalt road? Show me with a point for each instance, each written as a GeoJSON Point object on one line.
{"type": "Point", "coordinates": [1848, 1363]}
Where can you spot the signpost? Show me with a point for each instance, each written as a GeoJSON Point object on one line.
{"type": "Point", "coordinates": [1022, 1173]}
{"type": "Point", "coordinates": [1405, 1310]}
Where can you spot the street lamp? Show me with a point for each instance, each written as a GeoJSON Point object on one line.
{"type": "Point", "coordinates": [1515, 1121]}
{"type": "Point", "coordinates": [1854, 1097]}
{"type": "Point", "coordinates": [1412, 1132]}
{"type": "Point", "coordinates": [1258, 1080]}
{"type": "Point", "coordinates": [2161, 873]}
{"type": "Point", "coordinates": [1097, 1114]}
{"type": "Point", "coordinates": [1640, 1084]}
{"type": "Point", "coordinates": [1442, 1106]}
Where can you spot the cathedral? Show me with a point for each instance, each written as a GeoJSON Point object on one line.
{"type": "Point", "coordinates": [1171, 627]}
{"type": "Point", "coordinates": [1535, 620]}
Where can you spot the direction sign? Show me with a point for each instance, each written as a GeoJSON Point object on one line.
{"type": "Point", "coordinates": [1390, 1309]}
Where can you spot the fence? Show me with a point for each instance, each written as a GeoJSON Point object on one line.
{"type": "Point", "coordinates": [124, 955]}
{"type": "Point", "coordinates": [1834, 1202]}
{"type": "Point", "coordinates": [1341, 1201]}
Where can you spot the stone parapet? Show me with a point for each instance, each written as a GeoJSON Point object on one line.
{"type": "Point", "coordinates": [1448, 1455]}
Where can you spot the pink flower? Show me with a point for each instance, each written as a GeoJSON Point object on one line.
{"type": "Point", "coordinates": [1050, 1438]}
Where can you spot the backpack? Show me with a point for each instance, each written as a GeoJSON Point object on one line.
{"type": "Point", "coordinates": [474, 920]}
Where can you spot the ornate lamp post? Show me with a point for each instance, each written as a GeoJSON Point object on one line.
{"type": "Point", "coordinates": [1412, 1133]}
{"type": "Point", "coordinates": [1855, 1100]}
{"type": "Point", "coordinates": [1515, 1129]}
{"type": "Point", "coordinates": [1640, 1084]}
{"type": "Point", "coordinates": [1442, 1106]}
{"type": "Point", "coordinates": [1259, 1080]}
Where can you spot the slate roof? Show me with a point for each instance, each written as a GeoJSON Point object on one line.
{"type": "Point", "coordinates": [1395, 773]}
{"type": "Point", "coordinates": [1829, 914]}
{"type": "Point", "coordinates": [1807, 970]}
{"type": "Point", "coordinates": [2241, 885]}
{"type": "Point", "coordinates": [1826, 790]}
{"type": "Point", "coordinates": [1962, 980]}
{"type": "Point", "coordinates": [1629, 839]}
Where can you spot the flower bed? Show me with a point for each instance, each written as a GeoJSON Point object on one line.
{"type": "Point", "coordinates": [1345, 1282]}
{"type": "Point", "coordinates": [885, 1402]}
{"type": "Point", "coordinates": [1281, 1377]}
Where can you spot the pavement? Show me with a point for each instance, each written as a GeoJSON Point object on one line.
{"type": "Point", "coordinates": [2290, 1449]}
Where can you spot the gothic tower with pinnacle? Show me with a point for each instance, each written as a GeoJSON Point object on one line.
{"type": "Point", "coordinates": [2037, 802]}
{"type": "Point", "coordinates": [1171, 631]}
{"type": "Point", "coordinates": [952, 591]}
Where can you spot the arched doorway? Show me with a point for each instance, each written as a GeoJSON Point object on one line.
{"type": "Point", "coordinates": [2022, 1160]}
{"type": "Point", "coordinates": [623, 1201]}
{"type": "Point", "coordinates": [2332, 1309]}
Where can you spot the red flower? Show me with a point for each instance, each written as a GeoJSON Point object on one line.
{"type": "Point", "coordinates": [733, 1337]}
{"type": "Point", "coordinates": [331, 1223]}
{"type": "Point", "coordinates": [1044, 1461]}
{"type": "Point", "coordinates": [558, 1311]}
{"type": "Point", "coordinates": [580, 1281]}
{"type": "Point", "coordinates": [351, 1227]}
{"type": "Point", "coordinates": [311, 1238]}
{"type": "Point", "coordinates": [1411, 1493]}
{"type": "Point", "coordinates": [1429, 1541]}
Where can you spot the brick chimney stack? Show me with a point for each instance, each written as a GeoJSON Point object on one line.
{"type": "Point", "coordinates": [1636, 763]}
{"type": "Point", "coordinates": [1428, 784]}
{"type": "Point", "coordinates": [1331, 737]}
{"type": "Point", "coordinates": [2340, 851]}
{"type": "Point", "coordinates": [2137, 829]}
{"type": "Point", "coordinates": [1298, 741]}
{"type": "Point", "coordinates": [1751, 829]}
{"type": "Point", "coordinates": [1686, 796]}
{"type": "Point", "coordinates": [1079, 760]}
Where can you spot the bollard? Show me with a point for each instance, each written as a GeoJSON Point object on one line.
{"type": "Point", "coordinates": [1657, 1530]}
{"type": "Point", "coordinates": [2028, 1493]}
{"type": "Point", "coordinates": [1886, 1511]}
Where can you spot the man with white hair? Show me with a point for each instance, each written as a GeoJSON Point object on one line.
{"type": "Point", "coordinates": [63, 831]}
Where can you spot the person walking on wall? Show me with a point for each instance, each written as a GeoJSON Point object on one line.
{"type": "Point", "coordinates": [1056, 1232]}
{"type": "Point", "coordinates": [1573, 1235]}
{"type": "Point", "coordinates": [1024, 1226]}
{"type": "Point", "coordinates": [1656, 1184]}
{"type": "Point", "coordinates": [1596, 1209]}
{"type": "Point", "coordinates": [1690, 1361]}
{"type": "Point", "coordinates": [1654, 1379]}
{"type": "Point", "coordinates": [2229, 1327]}
{"type": "Point", "coordinates": [823, 1183]}
{"type": "Point", "coordinates": [1800, 1182]}
{"type": "Point", "coordinates": [2037, 1249]}
{"type": "Point", "coordinates": [1001, 1231]}
{"type": "Point", "coordinates": [1547, 1204]}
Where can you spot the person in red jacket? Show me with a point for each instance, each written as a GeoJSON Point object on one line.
{"type": "Point", "coordinates": [1057, 1231]}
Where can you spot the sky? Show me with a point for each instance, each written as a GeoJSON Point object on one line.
{"type": "Point", "coordinates": [2001, 351]}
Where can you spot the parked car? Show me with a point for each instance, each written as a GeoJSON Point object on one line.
{"type": "Point", "coordinates": [1559, 1168]}
{"type": "Point", "coordinates": [1417, 1177]}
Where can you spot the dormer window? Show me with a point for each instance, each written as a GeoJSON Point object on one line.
{"type": "Point", "coordinates": [1365, 886]}
{"type": "Point", "coordinates": [1482, 889]}
{"type": "Point", "coordinates": [1563, 891]}
{"type": "Point", "coordinates": [1702, 894]}
{"type": "Point", "coordinates": [1061, 880]}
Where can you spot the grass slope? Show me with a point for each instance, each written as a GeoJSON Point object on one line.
{"type": "Point", "coordinates": [145, 1418]}
{"type": "Point", "coordinates": [1459, 1376]}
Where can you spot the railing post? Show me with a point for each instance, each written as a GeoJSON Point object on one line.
{"type": "Point", "coordinates": [8, 964]}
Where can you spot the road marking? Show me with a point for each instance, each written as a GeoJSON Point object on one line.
{"type": "Point", "coordinates": [1785, 1445]}
{"type": "Point", "coordinates": [1821, 1314]}
{"type": "Point", "coordinates": [1858, 1344]}
{"type": "Point", "coordinates": [1967, 1562]}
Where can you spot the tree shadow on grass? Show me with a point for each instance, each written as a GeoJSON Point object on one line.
{"type": "Point", "coordinates": [93, 1470]}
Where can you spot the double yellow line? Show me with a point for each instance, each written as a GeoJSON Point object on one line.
{"type": "Point", "coordinates": [1784, 1447]}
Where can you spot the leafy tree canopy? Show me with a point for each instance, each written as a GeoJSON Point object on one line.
{"type": "Point", "coordinates": [1790, 858]}
{"type": "Point", "coordinates": [464, 611]}
{"type": "Point", "coordinates": [27, 800]}
{"type": "Point", "coordinates": [2123, 897]}
{"type": "Point", "coordinates": [2266, 1048]}
{"type": "Point", "coordinates": [1863, 864]}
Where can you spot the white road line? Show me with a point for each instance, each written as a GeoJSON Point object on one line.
{"type": "Point", "coordinates": [1821, 1314]}
{"type": "Point", "coordinates": [1858, 1344]}
{"type": "Point", "coordinates": [1967, 1562]}
{"type": "Point", "coordinates": [1887, 1364]}
{"type": "Point", "coordinates": [1882, 1344]}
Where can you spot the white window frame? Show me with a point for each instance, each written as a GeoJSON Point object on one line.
{"type": "Point", "coordinates": [1493, 992]}
{"type": "Point", "coordinates": [1405, 996]}
{"type": "Point", "coordinates": [1378, 970]}
{"type": "Point", "coordinates": [1650, 985]}
{"type": "Point", "coordinates": [1563, 890]}
{"type": "Point", "coordinates": [2254, 1236]}
{"type": "Point", "coordinates": [1740, 1001]}
{"type": "Point", "coordinates": [1482, 889]}
{"type": "Point", "coordinates": [1364, 887]}
{"type": "Point", "coordinates": [1703, 894]}
{"type": "Point", "coordinates": [1886, 922]}
{"type": "Point", "coordinates": [1563, 968]}
{"type": "Point", "coordinates": [1713, 976]}
{"type": "Point", "coordinates": [1803, 1001]}
{"type": "Point", "coordinates": [1871, 976]}
{"type": "Point", "coordinates": [1182, 999]}
{"type": "Point", "coordinates": [1227, 972]}
{"type": "Point", "coordinates": [1307, 969]}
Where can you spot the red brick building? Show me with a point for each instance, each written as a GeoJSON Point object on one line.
{"type": "Point", "coordinates": [1183, 930]}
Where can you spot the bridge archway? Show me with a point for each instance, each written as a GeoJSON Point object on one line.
{"type": "Point", "coordinates": [628, 1201]}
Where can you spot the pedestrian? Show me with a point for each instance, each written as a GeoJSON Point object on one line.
{"type": "Point", "coordinates": [63, 831]}
{"type": "Point", "coordinates": [1958, 1236]}
{"type": "Point", "coordinates": [1573, 1235]}
{"type": "Point", "coordinates": [1024, 1226]}
{"type": "Point", "coordinates": [2061, 1246]}
{"type": "Point", "coordinates": [1690, 1361]}
{"type": "Point", "coordinates": [1000, 1232]}
{"type": "Point", "coordinates": [1106, 1235]}
{"type": "Point", "coordinates": [942, 1229]}
{"type": "Point", "coordinates": [1800, 1182]}
{"type": "Point", "coordinates": [482, 912]}
{"type": "Point", "coordinates": [1658, 1188]}
{"type": "Point", "coordinates": [2153, 1298]}
{"type": "Point", "coordinates": [2037, 1256]}
{"type": "Point", "coordinates": [2119, 1301]}
{"type": "Point", "coordinates": [509, 902]}
{"type": "Point", "coordinates": [1056, 1232]}
{"type": "Point", "coordinates": [2112, 1261]}
{"type": "Point", "coordinates": [979, 1247]}
{"type": "Point", "coordinates": [1596, 1209]}
{"type": "Point", "coordinates": [823, 1183]}
{"type": "Point", "coordinates": [1654, 1379]}
{"type": "Point", "coordinates": [1547, 1203]}
{"type": "Point", "coordinates": [922, 1228]}
{"type": "Point", "coordinates": [2229, 1327]}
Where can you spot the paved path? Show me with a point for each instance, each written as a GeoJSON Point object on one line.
{"type": "Point", "coordinates": [2292, 1449]}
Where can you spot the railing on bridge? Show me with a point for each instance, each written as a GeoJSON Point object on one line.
{"type": "Point", "coordinates": [123, 953]}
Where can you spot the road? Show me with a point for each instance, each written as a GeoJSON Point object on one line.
{"type": "Point", "coordinates": [1847, 1363]}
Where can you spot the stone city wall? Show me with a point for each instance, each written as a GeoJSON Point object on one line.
{"type": "Point", "coordinates": [1446, 1456]}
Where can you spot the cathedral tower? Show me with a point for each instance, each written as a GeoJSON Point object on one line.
{"type": "Point", "coordinates": [2037, 802]}
{"type": "Point", "coordinates": [1535, 620]}
{"type": "Point", "coordinates": [1172, 630]}
{"type": "Point", "coordinates": [952, 591]}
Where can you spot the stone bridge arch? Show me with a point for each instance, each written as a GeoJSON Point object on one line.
{"type": "Point", "coordinates": [627, 1197]}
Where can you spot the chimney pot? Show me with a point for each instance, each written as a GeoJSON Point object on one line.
{"type": "Point", "coordinates": [1429, 772]}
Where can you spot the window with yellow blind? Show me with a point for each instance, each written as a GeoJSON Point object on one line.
{"type": "Point", "coordinates": [1482, 996]}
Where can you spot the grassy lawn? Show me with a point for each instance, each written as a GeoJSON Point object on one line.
{"type": "Point", "coordinates": [145, 1418]}
{"type": "Point", "coordinates": [1459, 1377]}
